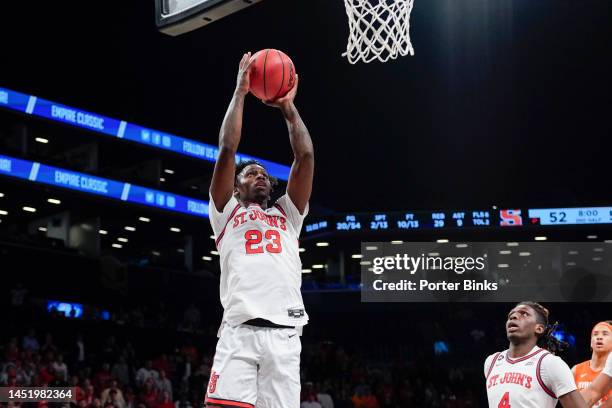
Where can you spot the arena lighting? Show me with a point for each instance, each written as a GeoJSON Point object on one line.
{"type": "Point", "coordinates": [175, 229]}
{"type": "Point", "coordinates": [306, 270]}
{"type": "Point", "coordinates": [212, 237]}
{"type": "Point", "coordinates": [318, 266]}
{"type": "Point", "coordinates": [505, 252]}
{"type": "Point", "coordinates": [207, 258]}
{"type": "Point", "coordinates": [302, 249]}
{"type": "Point", "coordinates": [597, 258]}
{"type": "Point", "coordinates": [322, 244]}
{"type": "Point", "coordinates": [598, 249]}
{"type": "Point", "coordinates": [503, 265]}
{"type": "Point", "coordinates": [3, 212]}
{"type": "Point", "coordinates": [54, 201]}
{"type": "Point", "coordinates": [155, 253]}
{"type": "Point", "coordinates": [591, 236]}
{"type": "Point", "coordinates": [181, 250]}
{"type": "Point", "coordinates": [442, 240]}
{"type": "Point", "coordinates": [542, 238]}
{"type": "Point", "coordinates": [42, 229]}
{"type": "Point", "coordinates": [42, 140]}
{"type": "Point", "coordinates": [129, 228]}
{"type": "Point", "coordinates": [121, 239]}
{"type": "Point", "coordinates": [117, 246]}
{"type": "Point", "coordinates": [365, 263]}
{"type": "Point", "coordinates": [162, 179]}
{"type": "Point", "coordinates": [461, 246]}
{"type": "Point", "coordinates": [524, 253]}
{"type": "Point", "coordinates": [572, 253]}
{"type": "Point", "coordinates": [433, 254]}
{"type": "Point", "coordinates": [1, 195]}
{"type": "Point", "coordinates": [144, 219]}
{"type": "Point", "coordinates": [397, 242]}
{"type": "Point", "coordinates": [29, 209]}
{"type": "Point", "coordinates": [570, 263]}
{"type": "Point", "coordinates": [168, 171]}
{"type": "Point", "coordinates": [214, 252]}
{"type": "Point", "coordinates": [103, 232]}
{"type": "Point", "coordinates": [512, 244]}
{"type": "Point", "coordinates": [371, 248]}
{"type": "Point", "coordinates": [356, 256]}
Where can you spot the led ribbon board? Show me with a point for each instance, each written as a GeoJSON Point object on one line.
{"type": "Point", "coordinates": [120, 129]}
{"type": "Point", "coordinates": [72, 180]}
{"type": "Point", "coordinates": [571, 216]}
{"type": "Point", "coordinates": [475, 219]}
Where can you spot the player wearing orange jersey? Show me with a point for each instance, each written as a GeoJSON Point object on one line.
{"type": "Point", "coordinates": [586, 372]}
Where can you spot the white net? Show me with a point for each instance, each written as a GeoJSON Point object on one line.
{"type": "Point", "coordinates": [379, 29]}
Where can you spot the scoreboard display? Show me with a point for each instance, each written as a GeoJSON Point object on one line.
{"type": "Point", "coordinates": [408, 220]}
{"type": "Point", "coordinates": [571, 216]}
{"type": "Point", "coordinates": [474, 219]}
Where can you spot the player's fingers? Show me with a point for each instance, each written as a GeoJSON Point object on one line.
{"type": "Point", "coordinates": [295, 85]}
{"type": "Point", "coordinates": [249, 63]}
{"type": "Point", "coordinates": [243, 60]}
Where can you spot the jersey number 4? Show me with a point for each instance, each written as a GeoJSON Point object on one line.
{"type": "Point", "coordinates": [505, 401]}
{"type": "Point", "coordinates": [254, 243]}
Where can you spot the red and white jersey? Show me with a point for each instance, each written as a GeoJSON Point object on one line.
{"type": "Point", "coordinates": [261, 271]}
{"type": "Point", "coordinates": [535, 380]}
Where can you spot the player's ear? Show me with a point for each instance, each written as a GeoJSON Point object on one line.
{"type": "Point", "coordinates": [539, 329]}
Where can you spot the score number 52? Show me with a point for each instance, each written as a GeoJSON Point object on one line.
{"type": "Point", "coordinates": [557, 217]}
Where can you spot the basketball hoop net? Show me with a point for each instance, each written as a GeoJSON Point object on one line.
{"type": "Point", "coordinates": [379, 29]}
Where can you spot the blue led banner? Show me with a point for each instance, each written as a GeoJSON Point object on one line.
{"type": "Point", "coordinates": [123, 130]}
{"type": "Point", "coordinates": [54, 176]}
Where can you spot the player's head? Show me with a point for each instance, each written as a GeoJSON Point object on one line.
{"type": "Point", "coordinates": [528, 321]}
{"type": "Point", "coordinates": [601, 337]}
{"type": "Point", "coordinates": [252, 182]}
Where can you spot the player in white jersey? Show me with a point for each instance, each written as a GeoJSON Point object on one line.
{"type": "Point", "coordinates": [527, 375]}
{"type": "Point", "coordinates": [257, 360]}
{"type": "Point", "coordinates": [601, 386]}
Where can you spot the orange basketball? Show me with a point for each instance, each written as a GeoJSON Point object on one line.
{"type": "Point", "coordinates": [272, 74]}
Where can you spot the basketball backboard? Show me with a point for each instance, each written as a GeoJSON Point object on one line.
{"type": "Point", "coordinates": [175, 17]}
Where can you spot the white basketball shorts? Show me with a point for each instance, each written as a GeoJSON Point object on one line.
{"type": "Point", "coordinates": [255, 367]}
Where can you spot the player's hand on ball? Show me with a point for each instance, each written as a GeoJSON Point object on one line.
{"type": "Point", "coordinates": [286, 100]}
{"type": "Point", "coordinates": [244, 73]}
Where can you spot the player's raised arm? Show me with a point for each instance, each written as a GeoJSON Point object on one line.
{"type": "Point", "coordinates": [222, 184]}
{"type": "Point", "coordinates": [299, 185]}
{"type": "Point", "coordinates": [599, 387]}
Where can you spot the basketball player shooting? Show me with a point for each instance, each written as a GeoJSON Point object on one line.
{"type": "Point", "coordinates": [586, 372]}
{"type": "Point", "coordinates": [257, 359]}
{"type": "Point", "coordinates": [528, 374]}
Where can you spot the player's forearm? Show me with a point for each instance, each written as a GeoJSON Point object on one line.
{"type": "Point", "coordinates": [589, 396]}
{"type": "Point", "coordinates": [299, 137]}
{"type": "Point", "coordinates": [572, 400]}
{"type": "Point", "coordinates": [231, 129]}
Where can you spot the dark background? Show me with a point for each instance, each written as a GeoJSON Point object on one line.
{"type": "Point", "coordinates": [504, 102]}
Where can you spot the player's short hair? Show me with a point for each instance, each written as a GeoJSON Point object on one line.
{"type": "Point", "coordinates": [546, 340]}
{"type": "Point", "coordinates": [245, 163]}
